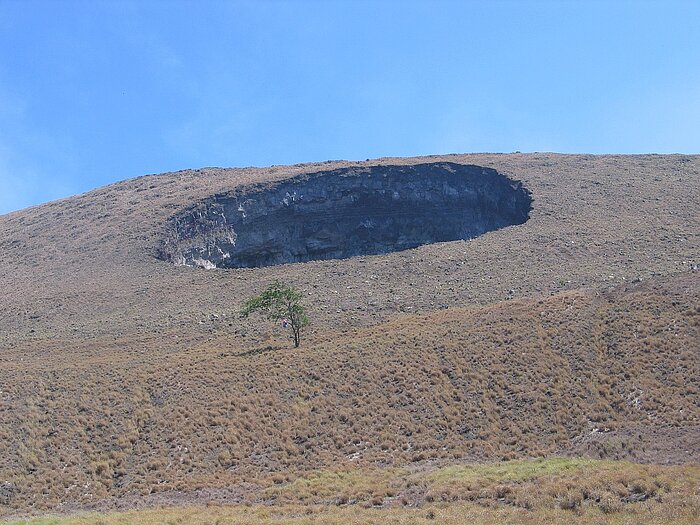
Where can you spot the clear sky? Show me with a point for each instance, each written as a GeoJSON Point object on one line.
{"type": "Point", "coordinates": [92, 92]}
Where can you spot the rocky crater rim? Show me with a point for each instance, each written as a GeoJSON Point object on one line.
{"type": "Point", "coordinates": [344, 213]}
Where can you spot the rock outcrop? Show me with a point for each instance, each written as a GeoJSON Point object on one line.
{"type": "Point", "coordinates": [343, 213]}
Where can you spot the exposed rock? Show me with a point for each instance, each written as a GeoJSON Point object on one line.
{"type": "Point", "coordinates": [343, 213]}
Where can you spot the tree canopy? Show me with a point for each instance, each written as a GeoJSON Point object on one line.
{"type": "Point", "coordinates": [280, 303]}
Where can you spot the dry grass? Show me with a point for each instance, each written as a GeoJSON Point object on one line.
{"type": "Point", "coordinates": [125, 381]}
{"type": "Point", "coordinates": [613, 376]}
{"type": "Point", "coordinates": [83, 267]}
{"type": "Point", "coordinates": [558, 490]}
{"type": "Point", "coordinates": [447, 514]}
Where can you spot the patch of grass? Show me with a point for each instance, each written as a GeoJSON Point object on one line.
{"type": "Point", "coordinates": [444, 514]}
{"type": "Point", "coordinates": [342, 486]}
{"type": "Point", "coordinates": [570, 484]}
{"type": "Point", "coordinates": [514, 471]}
{"type": "Point", "coordinates": [555, 483]}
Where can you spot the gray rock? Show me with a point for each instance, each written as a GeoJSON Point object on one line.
{"type": "Point", "coordinates": [344, 213]}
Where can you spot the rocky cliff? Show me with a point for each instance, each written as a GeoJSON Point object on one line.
{"type": "Point", "coordinates": [343, 213]}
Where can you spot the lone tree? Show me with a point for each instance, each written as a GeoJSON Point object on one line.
{"type": "Point", "coordinates": [280, 303]}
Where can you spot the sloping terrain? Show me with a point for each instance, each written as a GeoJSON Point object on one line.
{"type": "Point", "coordinates": [86, 266]}
{"type": "Point", "coordinates": [519, 379]}
{"type": "Point", "coordinates": [123, 376]}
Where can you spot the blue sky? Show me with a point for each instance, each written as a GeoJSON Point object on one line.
{"type": "Point", "coordinates": [95, 92]}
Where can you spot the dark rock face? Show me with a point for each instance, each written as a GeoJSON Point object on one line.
{"type": "Point", "coordinates": [344, 213]}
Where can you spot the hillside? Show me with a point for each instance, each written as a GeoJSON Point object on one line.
{"type": "Point", "coordinates": [127, 380]}
{"type": "Point", "coordinates": [86, 266]}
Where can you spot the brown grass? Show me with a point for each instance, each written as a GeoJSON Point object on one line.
{"type": "Point", "coordinates": [558, 490]}
{"type": "Point", "coordinates": [613, 376]}
{"type": "Point", "coordinates": [84, 267]}
{"type": "Point", "coordinates": [447, 514]}
{"type": "Point", "coordinates": [125, 381]}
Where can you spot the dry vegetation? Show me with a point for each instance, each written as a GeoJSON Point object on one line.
{"type": "Point", "coordinates": [84, 267]}
{"type": "Point", "coordinates": [126, 382]}
{"type": "Point", "coordinates": [556, 490]}
{"type": "Point", "coordinates": [574, 373]}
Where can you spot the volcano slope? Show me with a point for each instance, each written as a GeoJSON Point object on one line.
{"type": "Point", "coordinates": [128, 379]}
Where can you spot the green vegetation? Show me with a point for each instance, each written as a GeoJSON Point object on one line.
{"type": "Point", "coordinates": [280, 303]}
{"type": "Point", "coordinates": [517, 471]}
{"type": "Point", "coordinates": [547, 483]}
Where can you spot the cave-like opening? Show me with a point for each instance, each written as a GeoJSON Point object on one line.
{"type": "Point", "coordinates": [343, 213]}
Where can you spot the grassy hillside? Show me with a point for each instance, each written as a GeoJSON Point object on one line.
{"type": "Point", "coordinates": [609, 376]}
{"type": "Point", "coordinates": [84, 267]}
{"type": "Point", "coordinates": [126, 381]}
